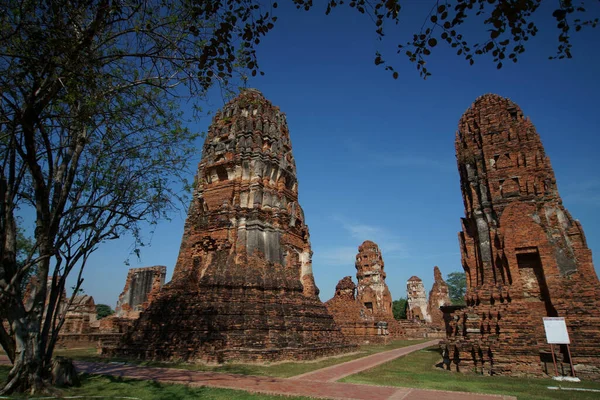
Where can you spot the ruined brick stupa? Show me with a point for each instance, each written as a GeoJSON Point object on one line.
{"type": "Point", "coordinates": [243, 287]}
{"type": "Point", "coordinates": [364, 311]}
{"type": "Point", "coordinates": [372, 291]}
{"type": "Point", "coordinates": [438, 296]}
{"type": "Point", "coordinates": [524, 256]}
{"type": "Point", "coordinates": [416, 298]}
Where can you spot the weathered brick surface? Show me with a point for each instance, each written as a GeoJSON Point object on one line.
{"type": "Point", "coordinates": [416, 297]}
{"type": "Point", "coordinates": [525, 257]}
{"type": "Point", "coordinates": [438, 296]}
{"type": "Point", "coordinates": [141, 287]}
{"type": "Point", "coordinates": [371, 290]}
{"type": "Point", "coordinates": [364, 311]}
{"type": "Point", "coordinates": [357, 322]}
{"type": "Point", "coordinates": [243, 286]}
{"type": "Point", "coordinates": [80, 316]}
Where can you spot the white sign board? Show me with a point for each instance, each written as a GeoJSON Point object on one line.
{"type": "Point", "coordinates": [556, 330]}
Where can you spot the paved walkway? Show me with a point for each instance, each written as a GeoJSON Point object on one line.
{"type": "Point", "coordinates": [316, 384]}
{"type": "Point", "coordinates": [339, 371]}
{"type": "Point", "coordinates": [281, 386]}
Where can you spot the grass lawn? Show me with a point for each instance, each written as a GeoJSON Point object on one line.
{"type": "Point", "coordinates": [418, 370]}
{"type": "Point", "coordinates": [282, 369]}
{"type": "Point", "coordinates": [108, 387]}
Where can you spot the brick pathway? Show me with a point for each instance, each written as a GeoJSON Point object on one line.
{"type": "Point", "coordinates": [339, 371]}
{"type": "Point", "coordinates": [281, 386]}
{"type": "Point", "coordinates": [316, 384]}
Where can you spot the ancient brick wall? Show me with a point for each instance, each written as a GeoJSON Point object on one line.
{"type": "Point", "coordinates": [243, 286]}
{"type": "Point", "coordinates": [141, 285]}
{"type": "Point", "coordinates": [525, 257]}
{"type": "Point", "coordinates": [416, 298]}
{"type": "Point", "coordinates": [438, 296]}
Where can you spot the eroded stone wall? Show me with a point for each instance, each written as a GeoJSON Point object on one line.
{"type": "Point", "coordinates": [525, 257]}
{"type": "Point", "coordinates": [243, 287]}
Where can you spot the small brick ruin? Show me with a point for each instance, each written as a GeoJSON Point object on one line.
{"type": "Point", "coordinates": [416, 298]}
{"type": "Point", "coordinates": [243, 287]}
{"type": "Point", "coordinates": [81, 315]}
{"type": "Point", "coordinates": [356, 321]}
{"type": "Point", "coordinates": [372, 291]}
{"type": "Point", "coordinates": [141, 286]}
{"type": "Point", "coordinates": [524, 256]}
{"type": "Point", "coordinates": [364, 311]}
{"type": "Point", "coordinates": [438, 296]}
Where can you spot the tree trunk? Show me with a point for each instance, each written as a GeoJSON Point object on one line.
{"type": "Point", "coordinates": [64, 373]}
{"type": "Point", "coordinates": [28, 373]}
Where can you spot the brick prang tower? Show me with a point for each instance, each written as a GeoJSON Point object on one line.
{"type": "Point", "coordinates": [372, 291]}
{"type": "Point", "coordinates": [243, 287]}
{"type": "Point", "coordinates": [524, 256]}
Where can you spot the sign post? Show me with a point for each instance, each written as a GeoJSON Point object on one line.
{"type": "Point", "coordinates": [556, 333]}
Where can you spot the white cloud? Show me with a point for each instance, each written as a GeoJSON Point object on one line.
{"type": "Point", "coordinates": [335, 256]}
{"type": "Point", "coordinates": [388, 242]}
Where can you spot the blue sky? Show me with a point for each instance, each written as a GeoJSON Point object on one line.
{"type": "Point", "coordinates": [375, 156]}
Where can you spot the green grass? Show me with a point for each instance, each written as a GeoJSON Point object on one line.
{"type": "Point", "coordinates": [282, 369]}
{"type": "Point", "coordinates": [417, 370]}
{"type": "Point", "coordinates": [109, 387]}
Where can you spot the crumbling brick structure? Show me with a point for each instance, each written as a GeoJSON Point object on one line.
{"type": "Point", "coordinates": [81, 315]}
{"type": "Point", "coordinates": [356, 321]}
{"type": "Point", "coordinates": [243, 287]}
{"type": "Point", "coordinates": [525, 257]}
{"type": "Point", "coordinates": [438, 296]}
{"type": "Point", "coordinates": [416, 297]}
{"type": "Point", "coordinates": [141, 287]}
{"type": "Point", "coordinates": [372, 291]}
{"type": "Point", "coordinates": [364, 311]}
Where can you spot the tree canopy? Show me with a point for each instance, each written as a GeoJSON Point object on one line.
{"type": "Point", "coordinates": [399, 308]}
{"type": "Point", "coordinates": [103, 310]}
{"type": "Point", "coordinates": [457, 287]}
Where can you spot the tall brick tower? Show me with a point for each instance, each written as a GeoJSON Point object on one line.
{"type": "Point", "coordinates": [524, 256]}
{"type": "Point", "coordinates": [243, 287]}
{"type": "Point", "coordinates": [372, 291]}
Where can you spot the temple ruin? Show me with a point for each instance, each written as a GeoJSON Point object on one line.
{"type": "Point", "coordinates": [416, 298]}
{"type": "Point", "coordinates": [355, 320]}
{"type": "Point", "coordinates": [364, 311]}
{"type": "Point", "coordinates": [372, 291]}
{"type": "Point", "coordinates": [141, 286]}
{"type": "Point", "coordinates": [438, 296]}
{"type": "Point", "coordinates": [524, 256]}
{"type": "Point", "coordinates": [243, 287]}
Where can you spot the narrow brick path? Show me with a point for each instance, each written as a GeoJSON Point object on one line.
{"type": "Point", "coordinates": [281, 386]}
{"type": "Point", "coordinates": [339, 371]}
{"type": "Point", "coordinates": [316, 384]}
